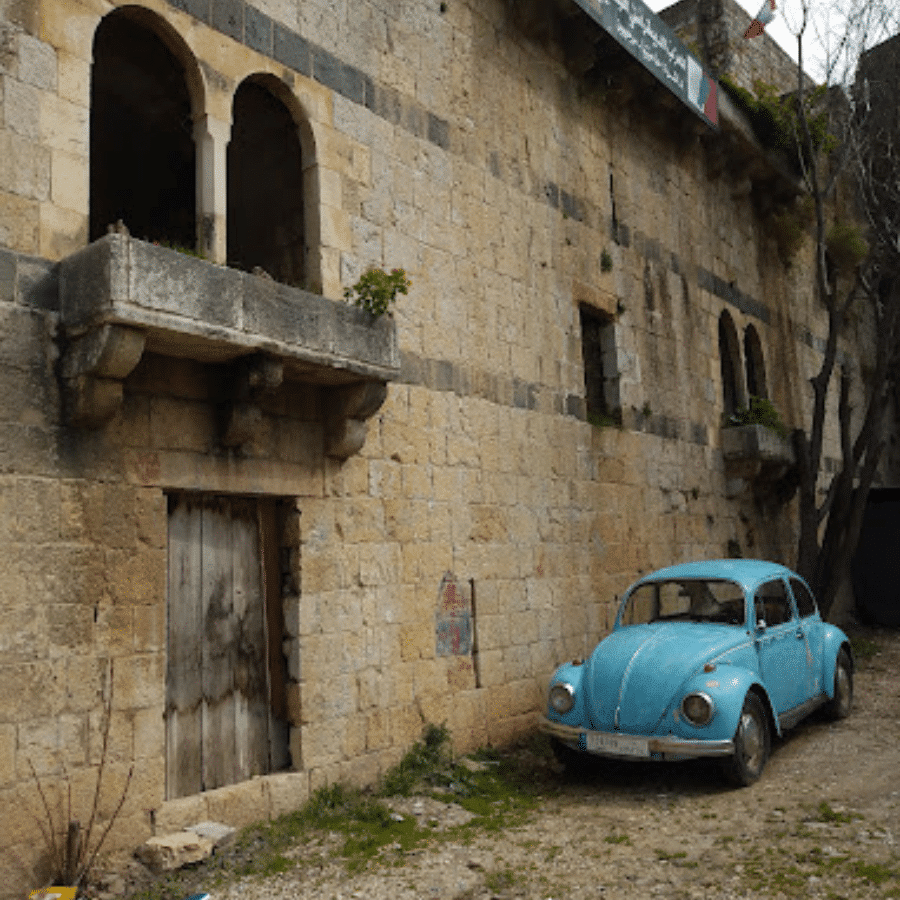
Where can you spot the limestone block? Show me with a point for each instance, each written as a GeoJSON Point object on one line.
{"type": "Point", "coordinates": [287, 792]}
{"type": "Point", "coordinates": [7, 754]}
{"type": "Point", "coordinates": [295, 748]}
{"type": "Point", "coordinates": [22, 108]}
{"type": "Point", "coordinates": [336, 230]}
{"type": "Point", "coordinates": [140, 681]}
{"type": "Point", "coordinates": [19, 220]}
{"type": "Point", "coordinates": [139, 576]}
{"type": "Point", "coordinates": [74, 78]}
{"type": "Point", "coordinates": [174, 851]}
{"type": "Point", "coordinates": [239, 804]}
{"type": "Point", "coordinates": [70, 180]}
{"type": "Point", "coordinates": [37, 63]}
{"type": "Point", "coordinates": [294, 703]}
{"type": "Point", "coordinates": [64, 125]}
{"type": "Point", "coordinates": [24, 167]}
{"type": "Point", "coordinates": [174, 815]}
{"type": "Point", "coordinates": [62, 231]}
{"type": "Point", "coordinates": [221, 835]}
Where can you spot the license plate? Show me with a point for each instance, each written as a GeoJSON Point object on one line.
{"type": "Point", "coordinates": [617, 744]}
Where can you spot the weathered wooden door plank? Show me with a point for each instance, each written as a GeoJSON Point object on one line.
{"type": "Point", "coordinates": [218, 639]}
{"type": "Point", "coordinates": [183, 684]}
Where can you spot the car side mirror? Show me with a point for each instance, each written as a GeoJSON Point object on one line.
{"type": "Point", "coordinates": [760, 626]}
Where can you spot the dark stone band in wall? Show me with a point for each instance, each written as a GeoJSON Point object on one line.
{"type": "Point", "coordinates": [248, 25]}
{"type": "Point", "coordinates": [444, 375]}
{"type": "Point", "coordinates": [252, 27]}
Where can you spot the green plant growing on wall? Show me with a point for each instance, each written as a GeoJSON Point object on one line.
{"type": "Point", "coordinates": [760, 411]}
{"type": "Point", "coordinates": [846, 246]}
{"type": "Point", "coordinates": [612, 419]}
{"type": "Point", "coordinates": [376, 291]}
{"type": "Point", "coordinates": [606, 261]}
{"type": "Point", "coordinates": [789, 227]}
{"type": "Point", "coordinates": [775, 118]}
{"type": "Point", "coordinates": [179, 248]}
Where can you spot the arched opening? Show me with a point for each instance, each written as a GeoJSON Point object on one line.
{"type": "Point", "coordinates": [142, 167]}
{"type": "Point", "coordinates": [265, 187]}
{"type": "Point", "coordinates": [729, 358]}
{"type": "Point", "coordinates": [755, 366]}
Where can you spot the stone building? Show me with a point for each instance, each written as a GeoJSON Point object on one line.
{"type": "Point", "coordinates": [276, 535]}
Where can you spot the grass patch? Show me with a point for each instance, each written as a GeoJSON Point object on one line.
{"type": "Point", "coordinates": [617, 839]}
{"type": "Point", "coordinates": [359, 827]}
{"type": "Point", "coordinates": [874, 873]}
{"type": "Point", "coordinates": [864, 649]}
{"type": "Point", "coordinates": [665, 855]}
{"type": "Point", "coordinates": [833, 816]}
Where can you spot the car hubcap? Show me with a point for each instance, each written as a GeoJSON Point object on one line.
{"type": "Point", "coordinates": [752, 741]}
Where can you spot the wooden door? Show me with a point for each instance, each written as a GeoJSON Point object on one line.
{"type": "Point", "coordinates": [217, 695]}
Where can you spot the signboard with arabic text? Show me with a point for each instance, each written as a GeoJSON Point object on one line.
{"type": "Point", "coordinates": [652, 43]}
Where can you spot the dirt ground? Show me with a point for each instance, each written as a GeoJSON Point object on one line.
{"type": "Point", "coordinates": [823, 822]}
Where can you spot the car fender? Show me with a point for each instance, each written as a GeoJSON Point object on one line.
{"type": "Point", "coordinates": [728, 686]}
{"type": "Point", "coordinates": [833, 641]}
{"type": "Point", "coordinates": [573, 674]}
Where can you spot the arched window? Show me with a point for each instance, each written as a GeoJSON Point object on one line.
{"type": "Point", "coordinates": [753, 360]}
{"type": "Point", "coordinates": [265, 186]}
{"type": "Point", "coordinates": [729, 358]}
{"type": "Point", "coordinates": [142, 167]}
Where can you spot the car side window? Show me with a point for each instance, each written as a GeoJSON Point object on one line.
{"type": "Point", "coordinates": [772, 603]}
{"type": "Point", "coordinates": [806, 605]}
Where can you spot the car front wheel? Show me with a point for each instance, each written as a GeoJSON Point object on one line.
{"type": "Point", "coordinates": [839, 706]}
{"type": "Point", "coordinates": [751, 744]}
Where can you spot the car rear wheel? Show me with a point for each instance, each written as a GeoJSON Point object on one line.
{"type": "Point", "coordinates": [751, 744]}
{"type": "Point", "coordinates": [839, 706]}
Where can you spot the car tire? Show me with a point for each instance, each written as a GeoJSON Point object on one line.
{"type": "Point", "coordinates": [751, 744]}
{"type": "Point", "coordinates": [839, 706]}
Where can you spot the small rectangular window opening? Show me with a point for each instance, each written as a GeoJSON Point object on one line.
{"type": "Point", "coordinates": [598, 350]}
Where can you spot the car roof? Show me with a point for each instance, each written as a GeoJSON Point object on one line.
{"type": "Point", "coordinates": [746, 572]}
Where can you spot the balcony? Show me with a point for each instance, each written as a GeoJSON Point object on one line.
{"type": "Point", "coordinates": [120, 297]}
{"type": "Point", "coordinates": [757, 460]}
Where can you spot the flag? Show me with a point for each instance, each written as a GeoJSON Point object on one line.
{"type": "Point", "coordinates": [763, 17]}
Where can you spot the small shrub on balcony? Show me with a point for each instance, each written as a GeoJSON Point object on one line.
{"type": "Point", "coordinates": [760, 411]}
{"type": "Point", "coordinates": [377, 290]}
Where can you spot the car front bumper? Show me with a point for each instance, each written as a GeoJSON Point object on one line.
{"type": "Point", "coordinates": [633, 746]}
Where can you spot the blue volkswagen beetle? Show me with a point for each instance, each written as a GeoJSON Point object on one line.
{"type": "Point", "coordinates": [705, 659]}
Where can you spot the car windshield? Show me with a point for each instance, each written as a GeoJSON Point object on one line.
{"type": "Point", "coordinates": [685, 600]}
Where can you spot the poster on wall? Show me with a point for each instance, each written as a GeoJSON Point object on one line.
{"type": "Point", "coordinates": [653, 44]}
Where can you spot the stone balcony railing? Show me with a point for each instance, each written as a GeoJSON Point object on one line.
{"type": "Point", "coordinates": [757, 459]}
{"type": "Point", "coordinates": [120, 297]}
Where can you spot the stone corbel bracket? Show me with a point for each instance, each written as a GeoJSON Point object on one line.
{"type": "Point", "coordinates": [347, 409]}
{"type": "Point", "coordinates": [757, 461]}
{"type": "Point", "coordinates": [255, 378]}
{"type": "Point", "coordinates": [94, 365]}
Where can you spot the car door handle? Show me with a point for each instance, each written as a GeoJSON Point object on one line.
{"type": "Point", "coordinates": [799, 634]}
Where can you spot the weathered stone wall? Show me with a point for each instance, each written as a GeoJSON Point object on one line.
{"type": "Point", "coordinates": [448, 143]}
{"type": "Point", "coordinates": [748, 60]}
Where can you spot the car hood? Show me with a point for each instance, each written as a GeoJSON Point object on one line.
{"type": "Point", "coordinates": [638, 669]}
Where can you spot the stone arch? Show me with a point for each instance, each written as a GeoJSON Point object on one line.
{"type": "Point", "coordinates": [754, 364]}
{"type": "Point", "coordinates": [271, 190]}
{"type": "Point", "coordinates": [730, 362]}
{"type": "Point", "coordinates": [146, 91]}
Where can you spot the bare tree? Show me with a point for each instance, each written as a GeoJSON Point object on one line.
{"type": "Point", "coordinates": [851, 268]}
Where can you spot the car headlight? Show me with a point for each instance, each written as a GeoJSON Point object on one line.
{"type": "Point", "coordinates": [698, 708]}
{"type": "Point", "coordinates": [562, 697]}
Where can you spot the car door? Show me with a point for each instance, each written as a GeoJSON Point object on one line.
{"type": "Point", "coordinates": [811, 625]}
{"type": "Point", "coordinates": [781, 645]}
